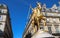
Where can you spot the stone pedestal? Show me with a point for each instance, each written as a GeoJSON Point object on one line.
{"type": "Point", "coordinates": [41, 34]}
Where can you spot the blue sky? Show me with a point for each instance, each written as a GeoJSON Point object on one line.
{"type": "Point", "coordinates": [18, 10]}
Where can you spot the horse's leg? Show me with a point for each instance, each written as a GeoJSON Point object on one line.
{"type": "Point", "coordinates": [38, 24]}
{"type": "Point", "coordinates": [33, 26]}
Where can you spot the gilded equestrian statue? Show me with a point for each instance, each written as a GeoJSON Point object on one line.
{"type": "Point", "coordinates": [37, 17]}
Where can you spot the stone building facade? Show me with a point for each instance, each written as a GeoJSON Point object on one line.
{"type": "Point", "coordinates": [5, 24]}
{"type": "Point", "coordinates": [52, 22]}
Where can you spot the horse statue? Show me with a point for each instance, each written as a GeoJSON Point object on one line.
{"type": "Point", "coordinates": [37, 17]}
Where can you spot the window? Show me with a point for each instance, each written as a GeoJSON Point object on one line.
{"type": "Point", "coordinates": [47, 20]}
{"type": "Point", "coordinates": [49, 28]}
{"type": "Point", "coordinates": [0, 11]}
{"type": "Point", "coordinates": [57, 30]}
{"type": "Point", "coordinates": [0, 23]}
{"type": "Point", "coordinates": [0, 17]}
{"type": "Point", "coordinates": [4, 11]}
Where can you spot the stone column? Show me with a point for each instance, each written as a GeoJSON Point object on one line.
{"type": "Point", "coordinates": [45, 26]}
{"type": "Point", "coordinates": [59, 28]}
{"type": "Point", "coordinates": [53, 28]}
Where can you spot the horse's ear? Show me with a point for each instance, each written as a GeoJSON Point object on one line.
{"type": "Point", "coordinates": [38, 3]}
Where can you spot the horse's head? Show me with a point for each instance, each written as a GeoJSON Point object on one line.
{"type": "Point", "coordinates": [39, 5]}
